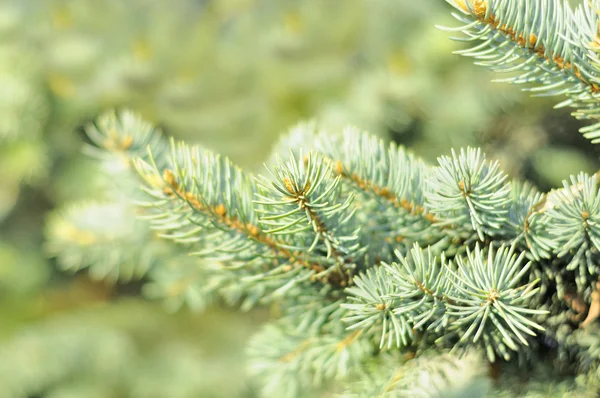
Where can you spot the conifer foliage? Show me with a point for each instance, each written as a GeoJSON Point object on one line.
{"type": "Point", "coordinates": [389, 272]}
{"type": "Point", "coordinates": [544, 44]}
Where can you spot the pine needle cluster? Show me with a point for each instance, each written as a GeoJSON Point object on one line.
{"type": "Point", "coordinates": [389, 272]}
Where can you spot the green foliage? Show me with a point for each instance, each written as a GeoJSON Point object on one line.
{"type": "Point", "coordinates": [429, 375]}
{"type": "Point", "coordinates": [299, 238]}
{"type": "Point", "coordinates": [486, 293]}
{"type": "Point", "coordinates": [82, 238]}
{"type": "Point", "coordinates": [386, 180]}
{"type": "Point", "coordinates": [293, 364]}
{"type": "Point", "coordinates": [463, 191]}
{"type": "Point", "coordinates": [545, 44]}
{"type": "Point", "coordinates": [575, 228]}
{"type": "Point", "coordinates": [477, 298]}
{"type": "Point", "coordinates": [380, 266]}
{"type": "Point", "coordinates": [127, 350]}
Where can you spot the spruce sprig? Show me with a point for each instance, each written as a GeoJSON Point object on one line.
{"type": "Point", "coordinates": [544, 44]}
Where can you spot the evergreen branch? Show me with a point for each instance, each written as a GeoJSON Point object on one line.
{"type": "Point", "coordinates": [487, 301]}
{"type": "Point", "coordinates": [528, 221]}
{"type": "Point", "coordinates": [119, 139]}
{"type": "Point", "coordinates": [573, 225]}
{"type": "Point", "coordinates": [399, 298]}
{"type": "Point", "coordinates": [477, 299]}
{"type": "Point", "coordinates": [389, 172]}
{"type": "Point", "coordinates": [468, 194]}
{"type": "Point", "coordinates": [372, 308]}
{"type": "Point", "coordinates": [315, 311]}
{"type": "Point", "coordinates": [429, 375]}
{"type": "Point", "coordinates": [201, 200]}
{"type": "Point", "coordinates": [126, 136]}
{"type": "Point", "coordinates": [313, 220]}
{"type": "Point", "coordinates": [291, 364]}
{"type": "Point", "coordinates": [200, 191]}
{"type": "Point", "coordinates": [389, 182]}
{"type": "Point", "coordinates": [104, 237]}
{"type": "Point", "coordinates": [332, 216]}
{"type": "Point", "coordinates": [552, 47]}
{"type": "Point", "coordinates": [312, 217]}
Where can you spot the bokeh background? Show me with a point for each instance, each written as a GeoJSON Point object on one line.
{"type": "Point", "coordinates": [80, 315]}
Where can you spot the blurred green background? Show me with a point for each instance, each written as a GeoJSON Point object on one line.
{"type": "Point", "coordinates": [232, 75]}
